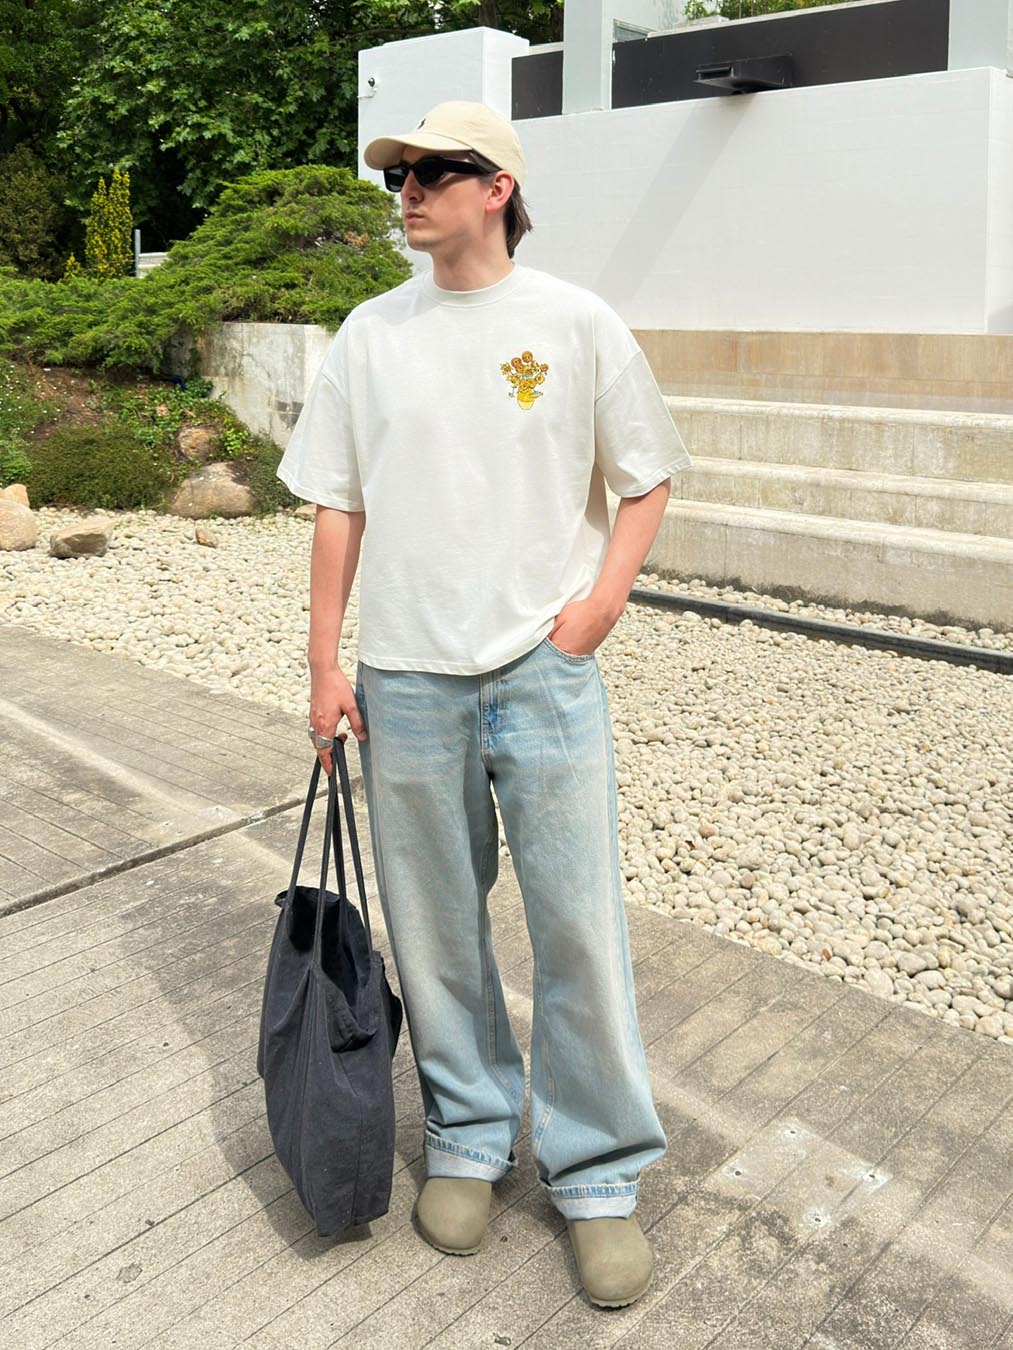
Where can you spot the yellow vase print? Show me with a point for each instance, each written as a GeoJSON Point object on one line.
{"type": "Point", "coordinates": [524, 373]}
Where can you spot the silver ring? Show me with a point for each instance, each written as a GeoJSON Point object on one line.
{"type": "Point", "coordinates": [321, 742]}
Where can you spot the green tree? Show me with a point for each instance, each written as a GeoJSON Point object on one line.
{"type": "Point", "coordinates": [43, 44]}
{"type": "Point", "coordinates": [32, 216]}
{"type": "Point", "coordinates": [537, 20]}
{"type": "Point", "coordinates": [108, 250]}
{"type": "Point", "coordinates": [190, 95]}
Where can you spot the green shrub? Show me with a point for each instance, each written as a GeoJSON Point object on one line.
{"type": "Point", "coordinates": [154, 413]}
{"type": "Point", "coordinates": [98, 466]}
{"type": "Point", "coordinates": [20, 411]}
{"type": "Point", "coordinates": [15, 465]}
{"type": "Point", "coordinates": [260, 471]}
{"type": "Point", "coordinates": [303, 245]}
{"type": "Point", "coordinates": [52, 321]}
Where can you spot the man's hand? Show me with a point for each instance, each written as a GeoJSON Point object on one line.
{"type": "Point", "coordinates": [331, 698]}
{"type": "Point", "coordinates": [582, 625]}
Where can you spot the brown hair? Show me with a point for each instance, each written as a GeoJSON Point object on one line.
{"type": "Point", "coordinates": [515, 214]}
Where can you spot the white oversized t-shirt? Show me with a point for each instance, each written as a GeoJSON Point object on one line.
{"type": "Point", "coordinates": [477, 430]}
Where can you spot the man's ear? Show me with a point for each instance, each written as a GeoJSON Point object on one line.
{"type": "Point", "coordinates": [498, 198]}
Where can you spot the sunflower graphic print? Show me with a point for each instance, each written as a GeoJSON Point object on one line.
{"type": "Point", "coordinates": [524, 374]}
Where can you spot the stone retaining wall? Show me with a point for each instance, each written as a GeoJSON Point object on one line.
{"type": "Point", "coordinates": [263, 370]}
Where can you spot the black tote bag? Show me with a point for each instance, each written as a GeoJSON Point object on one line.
{"type": "Point", "coordinates": [328, 1030]}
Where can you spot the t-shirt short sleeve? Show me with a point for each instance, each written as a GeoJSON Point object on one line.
{"type": "Point", "coordinates": [636, 443]}
{"type": "Point", "coordinates": [320, 463]}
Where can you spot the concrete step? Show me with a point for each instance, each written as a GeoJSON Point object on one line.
{"type": "Point", "coordinates": [922, 443]}
{"type": "Point", "coordinates": [889, 499]}
{"type": "Point", "coordinates": [939, 575]}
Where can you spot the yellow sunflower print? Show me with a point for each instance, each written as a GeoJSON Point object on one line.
{"type": "Point", "coordinates": [524, 373]}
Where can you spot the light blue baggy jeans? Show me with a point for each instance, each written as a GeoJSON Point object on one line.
{"type": "Point", "coordinates": [537, 732]}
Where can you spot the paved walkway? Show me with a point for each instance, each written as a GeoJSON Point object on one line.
{"type": "Point", "coordinates": [104, 763]}
{"type": "Point", "coordinates": [839, 1174]}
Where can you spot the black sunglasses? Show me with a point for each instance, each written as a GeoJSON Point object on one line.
{"type": "Point", "coordinates": [428, 170]}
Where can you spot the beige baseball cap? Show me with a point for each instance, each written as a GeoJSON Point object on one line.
{"type": "Point", "coordinates": [455, 126]}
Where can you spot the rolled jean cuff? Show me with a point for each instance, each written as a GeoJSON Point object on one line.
{"type": "Point", "coordinates": [446, 1159]}
{"type": "Point", "coordinates": [593, 1202]}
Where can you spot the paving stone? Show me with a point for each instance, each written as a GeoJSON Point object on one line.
{"type": "Point", "coordinates": [125, 786]}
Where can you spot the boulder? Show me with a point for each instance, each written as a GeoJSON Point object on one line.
{"type": "Point", "coordinates": [88, 537]}
{"type": "Point", "coordinates": [17, 525]}
{"type": "Point", "coordinates": [197, 443]}
{"type": "Point", "coordinates": [307, 512]}
{"type": "Point", "coordinates": [212, 491]}
{"type": "Point", "coordinates": [15, 492]}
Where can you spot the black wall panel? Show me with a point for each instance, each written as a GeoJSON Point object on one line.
{"type": "Point", "coordinates": [829, 46]}
{"type": "Point", "coordinates": [537, 85]}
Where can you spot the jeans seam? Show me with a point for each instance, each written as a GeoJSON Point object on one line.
{"type": "Point", "coordinates": [620, 934]}
{"type": "Point", "coordinates": [434, 1141]}
{"type": "Point", "coordinates": [612, 833]}
{"type": "Point", "coordinates": [491, 1027]}
{"type": "Point", "coordinates": [579, 1192]}
{"type": "Point", "coordinates": [550, 1082]}
{"type": "Point", "coordinates": [575, 658]}
{"type": "Point", "coordinates": [484, 747]}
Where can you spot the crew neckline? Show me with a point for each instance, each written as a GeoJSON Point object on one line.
{"type": "Point", "coordinates": [482, 295]}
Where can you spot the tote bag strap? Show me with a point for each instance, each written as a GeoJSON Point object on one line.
{"type": "Point", "coordinates": [353, 839]}
{"type": "Point", "coordinates": [303, 830]}
{"type": "Point", "coordinates": [332, 830]}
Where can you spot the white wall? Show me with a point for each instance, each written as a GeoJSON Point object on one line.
{"type": "Point", "coordinates": [653, 14]}
{"type": "Point", "coordinates": [857, 206]}
{"type": "Point", "coordinates": [587, 56]}
{"type": "Point", "coordinates": [588, 27]}
{"type": "Point", "coordinates": [999, 224]}
{"type": "Point", "coordinates": [979, 33]}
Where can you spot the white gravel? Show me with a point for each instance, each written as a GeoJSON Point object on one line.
{"type": "Point", "coordinates": [892, 623]}
{"type": "Point", "coordinates": [843, 808]}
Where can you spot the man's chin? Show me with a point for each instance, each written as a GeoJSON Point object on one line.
{"type": "Point", "coordinates": [417, 240]}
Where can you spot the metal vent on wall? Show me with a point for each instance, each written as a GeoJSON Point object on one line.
{"type": "Point", "coordinates": [748, 74]}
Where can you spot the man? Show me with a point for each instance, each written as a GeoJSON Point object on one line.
{"type": "Point", "coordinates": [472, 417]}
